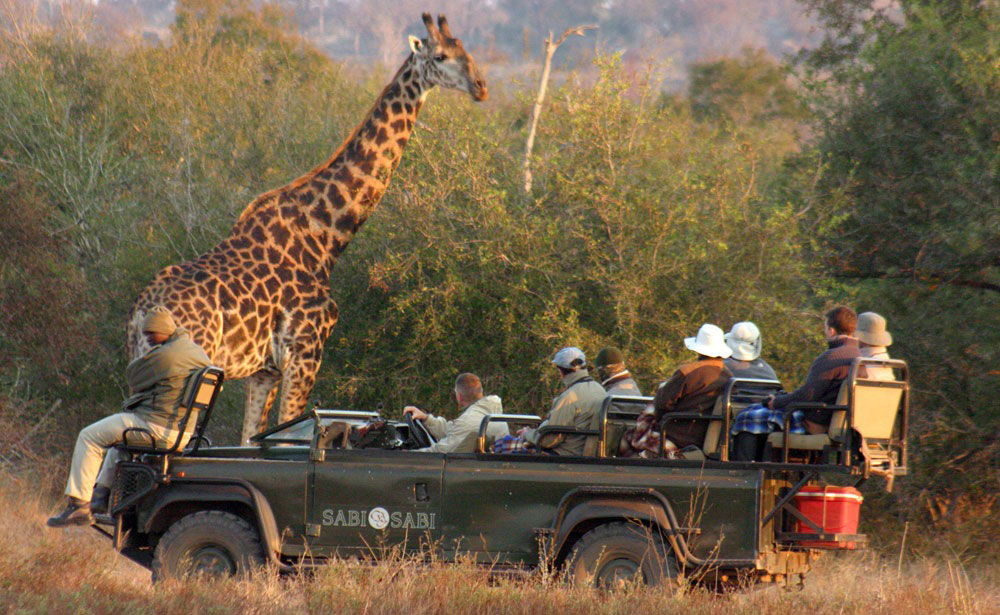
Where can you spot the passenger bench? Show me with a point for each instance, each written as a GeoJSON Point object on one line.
{"type": "Point", "coordinates": [876, 411]}
{"type": "Point", "coordinates": [739, 393]}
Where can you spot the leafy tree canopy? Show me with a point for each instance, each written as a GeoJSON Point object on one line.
{"type": "Point", "coordinates": [909, 117]}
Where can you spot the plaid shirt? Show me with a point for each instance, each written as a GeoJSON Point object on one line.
{"type": "Point", "coordinates": [761, 419]}
{"type": "Point", "coordinates": [513, 445]}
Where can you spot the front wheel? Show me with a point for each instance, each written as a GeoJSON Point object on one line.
{"type": "Point", "coordinates": [212, 543]}
{"type": "Point", "coordinates": [614, 555]}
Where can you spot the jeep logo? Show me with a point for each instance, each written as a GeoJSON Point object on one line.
{"type": "Point", "coordinates": [378, 518]}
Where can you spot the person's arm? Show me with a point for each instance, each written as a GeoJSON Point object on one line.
{"type": "Point", "coordinates": [561, 415]}
{"type": "Point", "coordinates": [819, 377]}
{"type": "Point", "coordinates": [438, 426]}
{"type": "Point", "coordinates": [457, 432]}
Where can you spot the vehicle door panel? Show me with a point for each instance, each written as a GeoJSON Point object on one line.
{"type": "Point", "coordinates": [362, 499]}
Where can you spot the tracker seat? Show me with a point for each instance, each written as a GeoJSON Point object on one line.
{"type": "Point", "coordinates": [201, 390]}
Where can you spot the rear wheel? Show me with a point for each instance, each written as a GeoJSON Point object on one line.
{"type": "Point", "coordinates": [211, 543]}
{"type": "Point", "coordinates": [614, 555]}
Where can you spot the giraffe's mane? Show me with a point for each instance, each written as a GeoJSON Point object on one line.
{"type": "Point", "coordinates": [309, 175]}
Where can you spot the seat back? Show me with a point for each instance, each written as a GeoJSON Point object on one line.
{"type": "Point", "coordinates": [618, 414]}
{"type": "Point", "coordinates": [714, 427]}
{"type": "Point", "coordinates": [203, 388]}
{"type": "Point", "coordinates": [838, 421]}
{"type": "Point", "coordinates": [877, 403]}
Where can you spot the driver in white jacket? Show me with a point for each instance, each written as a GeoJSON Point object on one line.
{"type": "Point", "coordinates": [459, 435]}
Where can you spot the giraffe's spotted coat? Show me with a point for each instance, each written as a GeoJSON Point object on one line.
{"type": "Point", "coordinates": [259, 301]}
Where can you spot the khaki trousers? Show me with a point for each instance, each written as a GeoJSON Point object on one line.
{"type": "Point", "coordinates": [95, 441]}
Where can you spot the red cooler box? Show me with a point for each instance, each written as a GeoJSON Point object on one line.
{"type": "Point", "coordinates": [835, 509]}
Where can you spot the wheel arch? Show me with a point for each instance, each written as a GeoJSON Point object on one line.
{"type": "Point", "coordinates": [236, 497]}
{"type": "Point", "coordinates": [586, 514]}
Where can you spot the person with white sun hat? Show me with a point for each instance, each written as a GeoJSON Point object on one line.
{"type": "Point", "coordinates": [745, 341]}
{"type": "Point", "coordinates": [694, 387]}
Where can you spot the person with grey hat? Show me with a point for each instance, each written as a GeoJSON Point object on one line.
{"type": "Point", "coordinates": [615, 379]}
{"type": "Point", "coordinates": [577, 406]}
{"type": "Point", "coordinates": [694, 387]}
{"type": "Point", "coordinates": [745, 342]}
{"type": "Point", "coordinates": [156, 381]}
{"type": "Point", "coordinates": [873, 342]}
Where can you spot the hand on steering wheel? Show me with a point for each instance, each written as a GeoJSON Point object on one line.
{"type": "Point", "coordinates": [418, 432]}
{"type": "Point", "coordinates": [416, 412]}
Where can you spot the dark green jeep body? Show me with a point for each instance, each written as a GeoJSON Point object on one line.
{"type": "Point", "coordinates": [312, 489]}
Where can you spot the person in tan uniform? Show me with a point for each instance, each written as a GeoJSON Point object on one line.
{"type": "Point", "coordinates": [156, 382]}
{"type": "Point", "coordinates": [459, 435]}
{"type": "Point", "coordinates": [615, 379]}
{"type": "Point", "coordinates": [577, 406]}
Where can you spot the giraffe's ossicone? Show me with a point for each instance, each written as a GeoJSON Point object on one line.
{"type": "Point", "coordinates": [259, 302]}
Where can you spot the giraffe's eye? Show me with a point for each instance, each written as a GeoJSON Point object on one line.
{"type": "Point", "coordinates": [440, 57]}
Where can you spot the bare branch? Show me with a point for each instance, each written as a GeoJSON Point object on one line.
{"type": "Point", "coordinates": [543, 84]}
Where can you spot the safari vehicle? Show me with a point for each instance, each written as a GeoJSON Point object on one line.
{"type": "Point", "coordinates": [339, 483]}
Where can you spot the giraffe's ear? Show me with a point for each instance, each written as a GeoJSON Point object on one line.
{"type": "Point", "coordinates": [416, 45]}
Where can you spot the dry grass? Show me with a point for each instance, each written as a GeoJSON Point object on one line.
{"type": "Point", "coordinates": [75, 571]}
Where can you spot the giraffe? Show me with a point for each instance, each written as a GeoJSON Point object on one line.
{"type": "Point", "coordinates": [259, 302]}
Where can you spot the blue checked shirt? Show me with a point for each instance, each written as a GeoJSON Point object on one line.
{"type": "Point", "coordinates": [761, 419]}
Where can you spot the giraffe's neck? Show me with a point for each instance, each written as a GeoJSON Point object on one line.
{"type": "Point", "coordinates": [326, 206]}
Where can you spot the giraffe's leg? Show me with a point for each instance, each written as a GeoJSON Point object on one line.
{"type": "Point", "coordinates": [261, 389]}
{"type": "Point", "coordinates": [304, 352]}
{"type": "Point", "coordinates": [296, 384]}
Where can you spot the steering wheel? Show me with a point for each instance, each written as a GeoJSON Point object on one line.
{"type": "Point", "coordinates": [418, 432]}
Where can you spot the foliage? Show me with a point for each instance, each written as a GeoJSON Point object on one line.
{"type": "Point", "coordinates": [643, 225]}
{"type": "Point", "coordinates": [909, 127]}
{"type": "Point", "coordinates": [750, 90]}
{"type": "Point", "coordinates": [908, 133]}
{"type": "Point", "coordinates": [45, 319]}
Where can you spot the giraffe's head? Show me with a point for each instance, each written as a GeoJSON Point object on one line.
{"type": "Point", "coordinates": [443, 60]}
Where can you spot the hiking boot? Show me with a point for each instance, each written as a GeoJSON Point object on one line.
{"type": "Point", "coordinates": [76, 513]}
{"type": "Point", "coordinates": [99, 501]}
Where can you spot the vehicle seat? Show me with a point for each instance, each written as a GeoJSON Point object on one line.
{"type": "Point", "coordinates": [200, 392]}
{"type": "Point", "coordinates": [817, 441]}
{"type": "Point", "coordinates": [739, 394]}
{"type": "Point", "coordinates": [869, 407]}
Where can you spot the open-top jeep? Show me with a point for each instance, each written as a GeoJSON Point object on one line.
{"type": "Point", "coordinates": [346, 483]}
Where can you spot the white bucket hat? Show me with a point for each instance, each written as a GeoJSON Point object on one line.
{"type": "Point", "coordinates": [871, 330]}
{"type": "Point", "coordinates": [709, 342]}
{"type": "Point", "coordinates": [745, 341]}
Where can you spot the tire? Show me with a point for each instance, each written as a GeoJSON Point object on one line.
{"type": "Point", "coordinates": [613, 555]}
{"type": "Point", "coordinates": [211, 542]}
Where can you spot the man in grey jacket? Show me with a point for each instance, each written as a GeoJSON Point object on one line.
{"type": "Point", "coordinates": [459, 436]}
